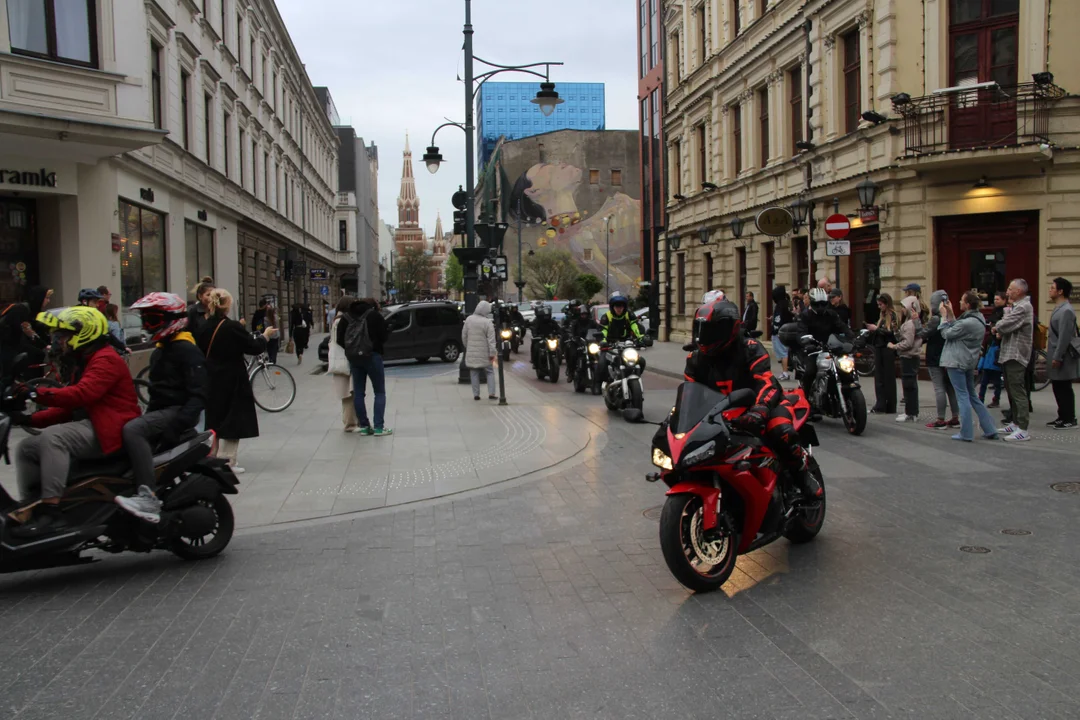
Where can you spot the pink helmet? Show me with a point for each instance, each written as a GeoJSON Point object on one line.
{"type": "Point", "coordinates": [163, 314]}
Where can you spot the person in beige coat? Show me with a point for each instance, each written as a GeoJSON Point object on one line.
{"type": "Point", "coordinates": [478, 337]}
{"type": "Point", "coordinates": [907, 346]}
{"type": "Point", "coordinates": [339, 370]}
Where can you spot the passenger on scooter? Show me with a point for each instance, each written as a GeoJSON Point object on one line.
{"type": "Point", "coordinates": [84, 420]}
{"type": "Point", "coordinates": [90, 297]}
{"type": "Point", "coordinates": [177, 395]}
{"type": "Point", "coordinates": [727, 361]}
{"type": "Point", "coordinates": [821, 321]}
{"type": "Point", "coordinates": [616, 325]}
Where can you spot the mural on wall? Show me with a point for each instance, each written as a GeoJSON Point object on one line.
{"type": "Point", "coordinates": [556, 210]}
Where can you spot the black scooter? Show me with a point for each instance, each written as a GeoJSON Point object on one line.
{"type": "Point", "coordinates": [196, 518]}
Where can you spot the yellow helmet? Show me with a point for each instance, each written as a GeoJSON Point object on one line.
{"type": "Point", "coordinates": [86, 324]}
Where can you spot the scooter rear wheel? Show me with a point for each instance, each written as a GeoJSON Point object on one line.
{"type": "Point", "coordinates": [209, 545]}
{"type": "Point", "coordinates": [699, 564]}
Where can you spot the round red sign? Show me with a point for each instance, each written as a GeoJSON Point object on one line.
{"type": "Point", "coordinates": [837, 226]}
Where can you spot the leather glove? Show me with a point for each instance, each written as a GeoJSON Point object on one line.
{"type": "Point", "coordinates": [751, 422]}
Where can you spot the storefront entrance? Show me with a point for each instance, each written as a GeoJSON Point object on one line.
{"type": "Point", "coordinates": [864, 276]}
{"type": "Point", "coordinates": [18, 248]}
{"type": "Point", "coordinates": [985, 252]}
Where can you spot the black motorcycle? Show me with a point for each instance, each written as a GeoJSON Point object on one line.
{"type": "Point", "coordinates": [586, 370]}
{"type": "Point", "coordinates": [836, 391]}
{"type": "Point", "coordinates": [196, 518]}
{"type": "Point", "coordinates": [622, 387]}
{"type": "Point", "coordinates": [509, 340]}
{"type": "Point", "coordinates": [548, 357]}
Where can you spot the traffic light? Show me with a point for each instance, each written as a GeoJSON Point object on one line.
{"type": "Point", "coordinates": [459, 222]}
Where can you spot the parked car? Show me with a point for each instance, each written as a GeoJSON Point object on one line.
{"type": "Point", "coordinates": [419, 330]}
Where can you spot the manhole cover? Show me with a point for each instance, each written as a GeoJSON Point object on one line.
{"type": "Point", "coordinates": [1015, 531]}
{"type": "Point", "coordinates": [653, 513]}
{"type": "Point", "coordinates": [1067, 487]}
{"type": "Point", "coordinates": [976, 549]}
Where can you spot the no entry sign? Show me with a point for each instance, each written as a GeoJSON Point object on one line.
{"type": "Point", "coordinates": [837, 226]}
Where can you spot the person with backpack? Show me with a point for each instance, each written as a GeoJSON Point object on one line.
{"type": "Point", "coordinates": [362, 332]}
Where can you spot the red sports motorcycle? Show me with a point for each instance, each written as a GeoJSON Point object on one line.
{"type": "Point", "coordinates": [728, 493]}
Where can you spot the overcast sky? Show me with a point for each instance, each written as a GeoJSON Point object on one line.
{"type": "Point", "coordinates": [392, 66]}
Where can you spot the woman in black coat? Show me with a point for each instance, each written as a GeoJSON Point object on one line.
{"type": "Point", "coordinates": [300, 320]}
{"type": "Point", "coordinates": [230, 403]}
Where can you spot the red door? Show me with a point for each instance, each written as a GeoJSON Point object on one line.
{"type": "Point", "coordinates": [983, 43]}
{"type": "Point", "coordinates": [986, 252]}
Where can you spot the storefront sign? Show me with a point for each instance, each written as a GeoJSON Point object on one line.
{"type": "Point", "coordinates": [320, 274]}
{"type": "Point", "coordinates": [868, 216]}
{"type": "Point", "coordinates": [774, 221]}
{"type": "Point", "coordinates": [28, 178]}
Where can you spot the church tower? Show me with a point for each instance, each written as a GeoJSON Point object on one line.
{"type": "Point", "coordinates": [408, 233]}
{"type": "Point", "coordinates": [439, 257]}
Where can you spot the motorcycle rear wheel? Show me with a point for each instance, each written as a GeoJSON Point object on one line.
{"type": "Point", "coordinates": [211, 544]}
{"type": "Point", "coordinates": [806, 524]}
{"type": "Point", "coordinates": [855, 420]}
{"type": "Point", "coordinates": [700, 566]}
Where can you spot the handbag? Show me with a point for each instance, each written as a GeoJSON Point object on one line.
{"type": "Point", "coordinates": [338, 364]}
{"type": "Point", "coordinates": [1073, 351]}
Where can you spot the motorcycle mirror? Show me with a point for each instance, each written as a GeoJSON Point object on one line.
{"type": "Point", "coordinates": [633, 415]}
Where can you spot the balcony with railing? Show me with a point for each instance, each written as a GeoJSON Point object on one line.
{"type": "Point", "coordinates": [976, 117]}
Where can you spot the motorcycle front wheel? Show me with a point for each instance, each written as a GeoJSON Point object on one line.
{"type": "Point", "coordinates": [806, 524]}
{"type": "Point", "coordinates": [637, 397]}
{"type": "Point", "coordinates": [699, 564]}
{"type": "Point", "coordinates": [553, 372]}
{"type": "Point", "coordinates": [580, 382]}
{"type": "Point", "coordinates": [506, 354]}
{"type": "Point", "coordinates": [855, 419]}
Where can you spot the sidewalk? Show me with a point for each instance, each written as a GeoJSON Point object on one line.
{"type": "Point", "coordinates": [669, 359]}
{"type": "Point", "coordinates": [304, 466]}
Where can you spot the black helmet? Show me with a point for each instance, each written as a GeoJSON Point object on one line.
{"type": "Point", "coordinates": [716, 327]}
{"type": "Point", "coordinates": [573, 305]}
{"type": "Point", "coordinates": [544, 311]}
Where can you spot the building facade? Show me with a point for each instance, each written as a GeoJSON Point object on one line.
{"type": "Point", "coordinates": [358, 210]}
{"type": "Point", "coordinates": [652, 176]}
{"type": "Point", "coordinates": [408, 234]}
{"type": "Point", "coordinates": [576, 190]}
{"type": "Point", "coordinates": [157, 143]}
{"type": "Point", "coordinates": [439, 244]}
{"type": "Point", "coordinates": [505, 109]}
{"type": "Point", "coordinates": [956, 112]}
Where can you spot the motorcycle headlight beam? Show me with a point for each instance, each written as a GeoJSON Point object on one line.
{"type": "Point", "coordinates": [594, 349]}
{"type": "Point", "coordinates": [552, 344]}
{"type": "Point", "coordinates": [630, 355]}
{"type": "Point", "coordinates": [661, 459]}
{"type": "Point", "coordinates": [506, 334]}
{"type": "Point", "coordinates": [847, 364]}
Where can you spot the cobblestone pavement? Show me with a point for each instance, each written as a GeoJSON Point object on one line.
{"type": "Point", "coordinates": [547, 597]}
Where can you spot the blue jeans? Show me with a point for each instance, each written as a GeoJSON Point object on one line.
{"type": "Point", "coordinates": [990, 377]}
{"type": "Point", "coordinates": [964, 383]}
{"type": "Point", "coordinates": [370, 367]}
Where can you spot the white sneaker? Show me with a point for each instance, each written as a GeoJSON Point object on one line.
{"type": "Point", "coordinates": [1009, 429]}
{"type": "Point", "coordinates": [144, 505]}
{"type": "Point", "coordinates": [237, 470]}
{"type": "Point", "coordinates": [1018, 436]}
{"type": "Point", "coordinates": [903, 418]}
{"type": "Point", "coordinates": [784, 376]}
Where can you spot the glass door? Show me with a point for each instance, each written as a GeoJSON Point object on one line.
{"type": "Point", "coordinates": [18, 248]}
{"type": "Point", "coordinates": [866, 269]}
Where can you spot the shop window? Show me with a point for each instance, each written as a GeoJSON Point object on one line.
{"type": "Point", "coordinates": [763, 124]}
{"type": "Point", "coordinates": [208, 106]}
{"type": "Point", "coordinates": [142, 252]}
{"type": "Point", "coordinates": [198, 253]}
{"type": "Point", "coordinates": [343, 235]}
{"type": "Point", "coordinates": [60, 30]}
{"type": "Point", "coordinates": [852, 81]}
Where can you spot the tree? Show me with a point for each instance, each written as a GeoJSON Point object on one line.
{"type": "Point", "coordinates": [455, 275]}
{"type": "Point", "coordinates": [589, 285]}
{"type": "Point", "coordinates": [551, 273]}
{"type": "Point", "coordinates": [411, 272]}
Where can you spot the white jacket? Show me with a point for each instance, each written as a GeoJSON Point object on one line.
{"type": "Point", "coordinates": [478, 337]}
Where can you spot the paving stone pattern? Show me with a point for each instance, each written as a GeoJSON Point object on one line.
{"type": "Point", "coordinates": [549, 598]}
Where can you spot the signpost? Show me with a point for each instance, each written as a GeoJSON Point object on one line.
{"type": "Point", "coordinates": [837, 227]}
{"type": "Point", "coordinates": [324, 290]}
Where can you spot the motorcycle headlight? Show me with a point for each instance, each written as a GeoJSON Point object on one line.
{"type": "Point", "coordinates": [552, 344]}
{"type": "Point", "coordinates": [703, 453]}
{"type": "Point", "coordinates": [506, 334]}
{"type": "Point", "coordinates": [847, 364]}
{"type": "Point", "coordinates": [660, 459]}
{"type": "Point", "coordinates": [630, 355]}
{"type": "Point", "coordinates": [594, 349]}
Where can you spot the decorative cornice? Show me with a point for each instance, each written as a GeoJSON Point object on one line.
{"type": "Point", "coordinates": [774, 77]}
{"type": "Point", "coordinates": [745, 95]}
{"type": "Point", "coordinates": [187, 45]}
{"type": "Point", "coordinates": [209, 71]}
{"type": "Point", "coordinates": [829, 41]}
{"type": "Point", "coordinates": [863, 19]}
{"type": "Point", "coordinates": [159, 14]}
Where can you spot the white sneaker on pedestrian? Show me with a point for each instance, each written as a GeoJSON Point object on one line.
{"type": "Point", "coordinates": [903, 418]}
{"type": "Point", "coordinates": [784, 376]}
{"type": "Point", "coordinates": [1018, 436]}
{"type": "Point", "coordinates": [237, 470]}
{"type": "Point", "coordinates": [143, 505]}
{"type": "Point", "coordinates": [1009, 429]}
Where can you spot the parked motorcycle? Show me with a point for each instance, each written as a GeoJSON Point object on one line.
{"type": "Point", "coordinates": [548, 358]}
{"type": "Point", "coordinates": [196, 518]}
{"type": "Point", "coordinates": [728, 494]}
{"type": "Point", "coordinates": [622, 388]}
{"type": "Point", "coordinates": [587, 366]}
{"type": "Point", "coordinates": [836, 392]}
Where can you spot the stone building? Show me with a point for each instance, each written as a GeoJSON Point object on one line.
{"type": "Point", "coordinates": [169, 140]}
{"type": "Point", "coordinates": [955, 111]}
{"type": "Point", "coordinates": [578, 190]}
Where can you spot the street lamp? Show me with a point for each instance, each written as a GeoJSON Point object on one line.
{"type": "Point", "coordinates": [703, 235]}
{"type": "Point", "coordinates": [607, 256]}
{"type": "Point", "coordinates": [867, 190]}
{"type": "Point", "coordinates": [737, 224]}
{"type": "Point", "coordinates": [546, 99]}
{"type": "Point", "coordinates": [799, 210]}
{"type": "Point", "coordinates": [674, 242]}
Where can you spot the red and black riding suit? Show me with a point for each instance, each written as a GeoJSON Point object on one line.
{"type": "Point", "coordinates": [745, 365]}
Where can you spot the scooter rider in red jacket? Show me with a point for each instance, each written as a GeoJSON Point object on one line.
{"type": "Point", "coordinates": [82, 421]}
{"type": "Point", "coordinates": [727, 361]}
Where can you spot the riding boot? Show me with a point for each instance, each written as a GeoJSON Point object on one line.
{"type": "Point", "coordinates": [801, 475]}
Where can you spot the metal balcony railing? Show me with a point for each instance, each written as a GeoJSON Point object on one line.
{"type": "Point", "coordinates": [986, 115]}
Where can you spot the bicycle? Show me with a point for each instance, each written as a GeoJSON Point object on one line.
{"type": "Point", "coordinates": [1041, 371]}
{"type": "Point", "coordinates": [272, 385]}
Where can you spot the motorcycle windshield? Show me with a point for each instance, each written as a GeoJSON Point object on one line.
{"type": "Point", "coordinates": [692, 404]}
{"type": "Point", "coordinates": [839, 347]}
